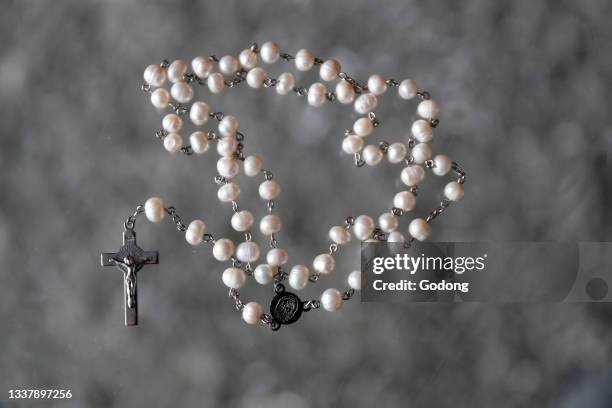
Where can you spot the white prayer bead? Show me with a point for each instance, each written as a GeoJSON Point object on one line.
{"type": "Point", "coordinates": [419, 229]}
{"type": "Point", "coordinates": [412, 175]}
{"type": "Point", "coordinates": [422, 131]}
{"type": "Point", "coordinates": [173, 142]}
{"type": "Point", "coordinates": [363, 227]}
{"type": "Point", "coordinates": [453, 191]}
{"type": "Point", "coordinates": [377, 84]}
{"type": "Point", "coordinates": [247, 59]}
{"type": "Point", "coordinates": [331, 299]}
{"type": "Point", "coordinates": [228, 192]}
{"type": "Point", "coordinates": [304, 59]}
{"type": "Point", "coordinates": [269, 189]}
{"type": "Point", "coordinates": [181, 92]}
{"type": "Point", "coordinates": [172, 123]}
{"type": "Point", "coordinates": [233, 278]}
{"type": "Point", "coordinates": [229, 125]}
{"type": "Point", "coordinates": [270, 224]}
{"type": "Point", "coordinates": [155, 75]}
{"type": "Point", "coordinates": [227, 146]}
{"type": "Point", "coordinates": [407, 89]}
{"type": "Point", "coordinates": [316, 95]}
{"type": "Point", "coordinates": [202, 67]}
{"type": "Point", "coordinates": [395, 236]}
{"type": "Point", "coordinates": [363, 127]}
{"type": "Point", "coordinates": [345, 93]}
{"type": "Point", "coordinates": [421, 153]}
{"type": "Point", "coordinates": [160, 98]}
{"type": "Point", "coordinates": [285, 84]}
{"type": "Point", "coordinates": [324, 264]}
{"type": "Point", "coordinates": [298, 277]}
{"type": "Point", "coordinates": [155, 210]}
{"type": "Point", "coordinates": [252, 312]}
{"type": "Point", "coordinates": [255, 78]}
{"type": "Point", "coordinates": [242, 221]}
{"type": "Point", "coordinates": [199, 113]}
{"type": "Point", "coordinates": [270, 52]}
{"type": "Point", "coordinates": [428, 109]}
{"type": "Point", "coordinates": [252, 165]}
{"type": "Point", "coordinates": [177, 70]}
{"type": "Point", "coordinates": [396, 153]}
{"type": "Point", "coordinates": [339, 235]}
{"type": "Point", "coordinates": [215, 82]}
{"type": "Point", "coordinates": [223, 249]}
{"type": "Point", "coordinates": [329, 70]}
{"type": "Point", "coordinates": [404, 200]}
{"type": "Point", "coordinates": [228, 167]}
{"type": "Point", "coordinates": [352, 144]}
{"type": "Point", "coordinates": [442, 165]}
{"type": "Point", "coordinates": [388, 222]}
{"type": "Point", "coordinates": [247, 252]}
{"type": "Point", "coordinates": [366, 103]}
{"type": "Point", "coordinates": [372, 155]}
{"type": "Point", "coordinates": [263, 274]}
{"type": "Point", "coordinates": [228, 65]}
{"type": "Point", "coordinates": [354, 280]}
{"type": "Point", "coordinates": [276, 257]}
{"type": "Point", "coordinates": [195, 232]}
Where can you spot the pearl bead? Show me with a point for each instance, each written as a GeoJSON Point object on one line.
{"type": "Point", "coordinates": [366, 103]}
{"type": "Point", "coordinates": [372, 155]}
{"type": "Point", "coordinates": [228, 167]}
{"type": "Point", "coordinates": [404, 200]}
{"type": "Point", "coordinates": [195, 232]}
{"type": "Point", "coordinates": [155, 75]}
{"type": "Point", "coordinates": [377, 84]}
{"type": "Point", "coordinates": [428, 109]}
{"type": "Point", "coordinates": [422, 131]}
{"type": "Point", "coordinates": [363, 127]}
{"type": "Point", "coordinates": [154, 209]}
{"type": "Point", "coordinates": [229, 125]}
{"type": "Point", "coordinates": [396, 153]}
{"type": "Point", "coordinates": [331, 299]}
{"type": "Point", "coordinates": [388, 222]}
{"type": "Point", "coordinates": [412, 175]}
{"type": "Point", "coordinates": [304, 59]}
{"type": "Point", "coordinates": [182, 92]}
{"type": "Point", "coordinates": [363, 227]}
{"type": "Point", "coordinates": [419, 229]}
{"type": "Point", "coordinates": [248, 59]}
{"type": "Point", "coordinates": [298, 277]}
{"type": "Point", "coordinates": [396, 237]}
{"type": "Point", "coordinates": [247, 252]}
{"type": "Point", "coordinates": [324, 264]}
{"type": "Point", "coordinates": [407, 89]}
{"type": "Point", "coordinates": [345, 93]}
{"type": "Point", "coordinates": [352, 144]}
{"type": "Point", "coordinates": [255, 78]}
{"type": "Point", "coordinates": [223, 249]}
{"type": "Point", "coordinates": [172, 123]}
{"type": "Point", "coordinates": [269, 189]}
{"type": "Point", "coordinates": [160, 98]}
{"type": "Point", "coordinates": [442, 165]}
{"type": "Point", "coordinates": [242, 221]}
{"type": "Point", "coordinates": [228, 65]}
{"type": "Point", "coordinates": [354, 280]}
{"type": "Point", "coordinates": [285, 84]}
{"type": "Point", "coordinates": [263, 274]}
{"type": "Point", "coordinates": [316, 95]}
{"type": "Point", "coordinates": [173, 142]}
{"type": "Point", "coordinates": [227, 146]}
{"type": "Point", "coordinates": [233, 278]}
{"type": "Point", "coordinates": [228, 192]}
{"type": "Point", "coordinates": [202, 67]}
{"type": "Point", "coordinates": [276, 257]}
{"type": "Point", "coordinates": [270, 52]}
{"type": "Point", "coordinates": [453, 191]}
{"type": "Point", "coordinates": [199, 142]}
{"type": "Point", "coordinates": [252, 312]}
{"type": "Point", "coordinates": [199, 113]}
{"type": "Point", "coordinates": [252, 165]}
{"type": "Point", "coordinates": [177, 70]}
{"type": "Point", "coordinates": [270, 224]}
{"type": "Point", "coordinates": [421, 153]}
{"type": "Point", "coordinates": [329, 70]}
{"type": "Point", "coordinates": [339, 235]}
{"type": "Point", "coordinates": [216, 83]}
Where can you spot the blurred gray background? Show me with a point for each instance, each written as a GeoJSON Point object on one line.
{"type": "Point", "coordinates": [525, 88]}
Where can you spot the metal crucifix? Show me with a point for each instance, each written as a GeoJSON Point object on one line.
{"type": "Point", "coordinates": [130, 259]}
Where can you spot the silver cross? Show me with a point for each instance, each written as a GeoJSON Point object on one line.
{"type": "Point", "coordinates": [130, 259]}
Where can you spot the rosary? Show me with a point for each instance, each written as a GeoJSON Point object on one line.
{"type": "Point", "coordinates": [217, 74]}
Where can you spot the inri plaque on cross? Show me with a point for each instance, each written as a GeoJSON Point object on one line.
{"type": "Point", "coordinates": [130, 259]}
